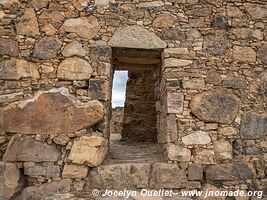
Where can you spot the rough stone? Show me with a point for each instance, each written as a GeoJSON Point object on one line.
{"type": "Point", "coordinates": [223, 150]}
{"type": "Point", "coordinates": [215, 44]}
{"type": "Point", "coordinates": [220, 22]}
{"type": "Point", "coordinates": [256, 11]}
{"type": "Point", "coordinates": [9, 98]}
{"type": "Point", "coordinates": [53, 17]}
{"type": "Point", "coordinates": [213, 191]}
{"type": "Point", "coordinates": [62, 139]}
{"type": "Point", "coordinates": [195, 172]}
{"type": "Point", "coordinates": [230, 171]}
{"type": "Point", "coordinates": [74, 69]}
{"type": "Point", "coordinates": [90, 150]}
{"type": "Point", "coordinates": [151, 4]}
{"type": "Point", "coordinates": [163, 21]}
{"type": "Point", "coordinates": [165, 175]}
{"type": "Point", "coordinates": [11, 181]}
{"type": "Point", "coordinates": [104, 2]}
{"type": "Point", "coordinates": [8, 3]}
{"type": "Point", "coordinates": [177, 153]}
{"type": "Point", "coordinates": [74, 171]}
{"type": "Point", "coordinates": [29, 150]}
{"type": "Point", "coordinates": [234, 83]}
{"type": "Point", "coordinates": [175, 102]}
{"type": "Point", "coordinates": [47, 47]}
{"type": "Point", "coordinates": [74, 49]}
{"type": "Point", "coordinates": [204, 156]}
{"type": "Point", "coordinates": [98, 89]}
{"type": "Point", "coordinates": [136, 37]}
{"type": "Point", "coordinates": [15, 69]}
{"type": "Point", "coordinates": [39, 4]}
{"type": "Point", "coordinates": [262, 54]}
{"type": "Point", "coordinates": [228, 131]}
{"type": "Point", "coordinates": [20, 117]}
{"type": "Point", "coordinates": [174, 62]}
{"type": "Point", "coordinates": [253, 126]}
{"type": "Point", "coordinates": [9, 47]}
{"type": "Point", "coordinates": [35, 170]}
{"type": "Point", "coordinates": [215, 106]}
{"type": "Point", "coordinates": [244, 54]}
{"type": "Point", "coordinates": [213, 77]}
{"type": "Point", "coordinates": [81, 4]}
{"type": "Point", "coordinates": [173, 34]}
{"type": "Point", "coordinates": [196, 138]}
{"type": "Point", "coordinates": [123, 175]}
{"type": "Point", "coordinates": [194, 83]}
{"type": "Point", "coordinates": [28, 24]}
{"type": "Point", "coordinates": [85, 27]}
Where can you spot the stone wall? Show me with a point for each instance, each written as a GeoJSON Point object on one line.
{"type": "Point", "coordinates": [55, 82]}
{"type": "Point", "coordinates": [116, 120]}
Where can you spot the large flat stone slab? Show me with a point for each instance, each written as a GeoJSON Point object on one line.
{"type": "Point", "coordinates": [136, 37]}
{"type": "Point", "coordinates": [50, 112]}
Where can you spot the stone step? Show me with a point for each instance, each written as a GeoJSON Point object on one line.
{"type": "Point", "coordinates": [137, 176]}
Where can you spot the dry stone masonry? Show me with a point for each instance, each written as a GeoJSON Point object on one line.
{"type": "Point", "coordinates": [197, 87]}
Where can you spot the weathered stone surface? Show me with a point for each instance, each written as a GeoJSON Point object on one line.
{"type": "Point", "coordinates": [8, 3]}
{"type": "Point", "coordinates": [151, 4]}
{"type": "Point", "coordinates": [62, 139]}
{"type": "Point", "coordinates": [194, 83]}
{"type": "Point", "coordinates": [196, 138]}
{"type": "Point", "coordinates": [104, 2]}
{"type": "Point", "coordinates": [215, 106]}
{"type": "Point", "coordinates": [53, 17]}
{"type": "Point", "coordinates": [74, 171]}
{"type": "Point", "coordinates": [220, 22]}
{"type": "Point", "coordinates": [234, 83]}
{"type": "Point", "coordinates": [165, 175]}
{"type": "Point", "coordinates": [175, 102]}
{"type": "Point", "coordinates": [9, 47]}
{"type": "Point", "coordinates": [47, 47]}
{"type": "Point", "coordinates": [174, 62]}
{"type": "Point", "coordinates": [256, 11]}
{"type": "Point", "coordinates": [173, 34]}
{"type": "Point", "coordinates": [195, 172]}
{"type": "Point", "coordinates": [204, 156]}
{"type": "Point", "coordinates": [28, 24]}
{"type": "Point", "coordinates": [29, 150]}
{"type": "Point", "coordinates": [10, 180]}
{"type": "Point", "coordinates": [37, 193]}
{"type": "Point", "coordinates": [223, 150]}
{"type": "Point", "coordinates": [15, 69]}
{"type": "Point", "coordinates": [85, 27]}
{"type": "Point", "coordinates": [230, 171]}
{"type": "Point", "coordinates": [57, 111]}
{"type": "Point", "coordinates": [90, 150]}
{"type": "Point", "coordinates": [228, 131]}
{"type": "Point", "coordinates": [259, 84]}
{"type": "Point", "coordinates": [74, 49]}
{"type": "Point", "coordinates": [262, 54]}
{"type": "Point", "coordinates": [163, 21]}
{"type": "Point", "coordinates": [80, 4]}
{"type": "Point", "coordinates": [177, 153]}
{"type": "Point", "coordinates": [39, 4]}
{"type": "Point", "coordinates": [176, 51]}
{"type": "Point", "coordinates": [200, 11]}
{"type": "Point", "coordinates": [9, 98]}
{"type": "Point", "coordinates": [215, 44]}
{"type": "Point", "coordinates": [253, 126]}
{"type": "Point", "coordinates": [136, 37]}
{"type": "Point", "coordinates": [35, 170]}
{"type": "Point", "coordinates": [213, 77]}
{"type": "Point", "coordinates": [244, 54]}
{"type": "Point", "coordinates": [117, 176]}
{"type": "Point", "coordinates": [211, 189]}
{"type": "Point", "coordinates": [74, 69]}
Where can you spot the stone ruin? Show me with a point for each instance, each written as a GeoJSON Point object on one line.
{"type": "Point", "coordinates": [196, 96]}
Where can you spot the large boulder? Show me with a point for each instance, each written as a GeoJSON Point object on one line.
{"type": "Point", "coordinates": [136, 37]}
{"type": "Point", "coordinates": [11, 181]}
{"type": "Point", "coordinates": [215, 106]}
{"type": "Point", "coordinates": [50, 112]}
{"type": "Point", "coordinates": [30, 150]}
{"type": "Point", "coordinates": [85, 27]}
{"type": "Point", "coordinates": [90, 150]}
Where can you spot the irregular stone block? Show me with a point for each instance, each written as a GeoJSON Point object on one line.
{"type": "Point", "coordinates": [85, 27]}
{"type": "Point", "coordinates": [29, 150]}
{"type": "Point", "coordinates": [62, 139]}
{"type": "Point", "coordinates": [253, 126]}
{"type": "Point", "coordinates": [235, 83]}
{"type": "Point", "coordinates": [9, 47]}
{"type": "Point", "coordinates": [174, 62]}
{"type": "Point", "coordinates": [230, 172]}
{"type": "Point", "coordinates": [74, 171]}
{"type": "Point", "coordinates": [35, 170]}
{"type": "Point", "coordinates": [74, 49]}
{"type": "Point", "coordinates": [9, 98]}
{"type": "Point", "coordinates": [220, 22]}
{"type": "Point", "coordinates": [173, 34]}
{"type": "Point", "coordinates": [89, 150]}
{"type": "Point", "coordinates": [194, 83]}
{"type": "Point", "coordinates": [117, 176]}
{"type": "Point", "coordinates": [215, 44]}
{"type": "Point", "coordinates": [262, 54]}
{"type": "Point", "coordinates": [47, 47]}
{"type": "Point", "coordinates": [175, 102]}
{"type": "Point", "coordinates": [195, 172]}
{"type": "Point", "coordinates": [136, 37]}
{"type": "Point", "coordinates": [204, 156]}
{"type": "Point", "coordinates": [98, 89]}
{"type": "Point", "coordinates": [163, 21]}
{"type": "Point", "coordinates": [15, 69]}
{"type": "Point", "coordinates": [228, 131]}
{"type": "Point", "coordinates": [151, 4]}
{"type": "Point", "coordinates": [256, 11]}
{"type": "Point", "coordinates": [27, 23]}
{"type": "Point", "coordinates": [11, 181]}
{"type": "Point", "coordinates": [57, 111]}
{"type": "Point", "coordinates": [177, 153]}
{"type": "Point", "coordinates": [74, 69]}
{"type": "Point", "coordinates": [215, 106]}
{"type": "Point", "coordinates": [165, 175]}
{"type": "Point", "coordinates": [244, 54]}
{"type": "Point", "coordinates": [213, 77]}
{"type": "Point", "coordinates": [223, 150]}
{"type": "Point", "coordinates": [196, 138]}
{"type": "Point", "coordinates": [53, 17]}
{"type": "Point", "coordinates": [259, 85]}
